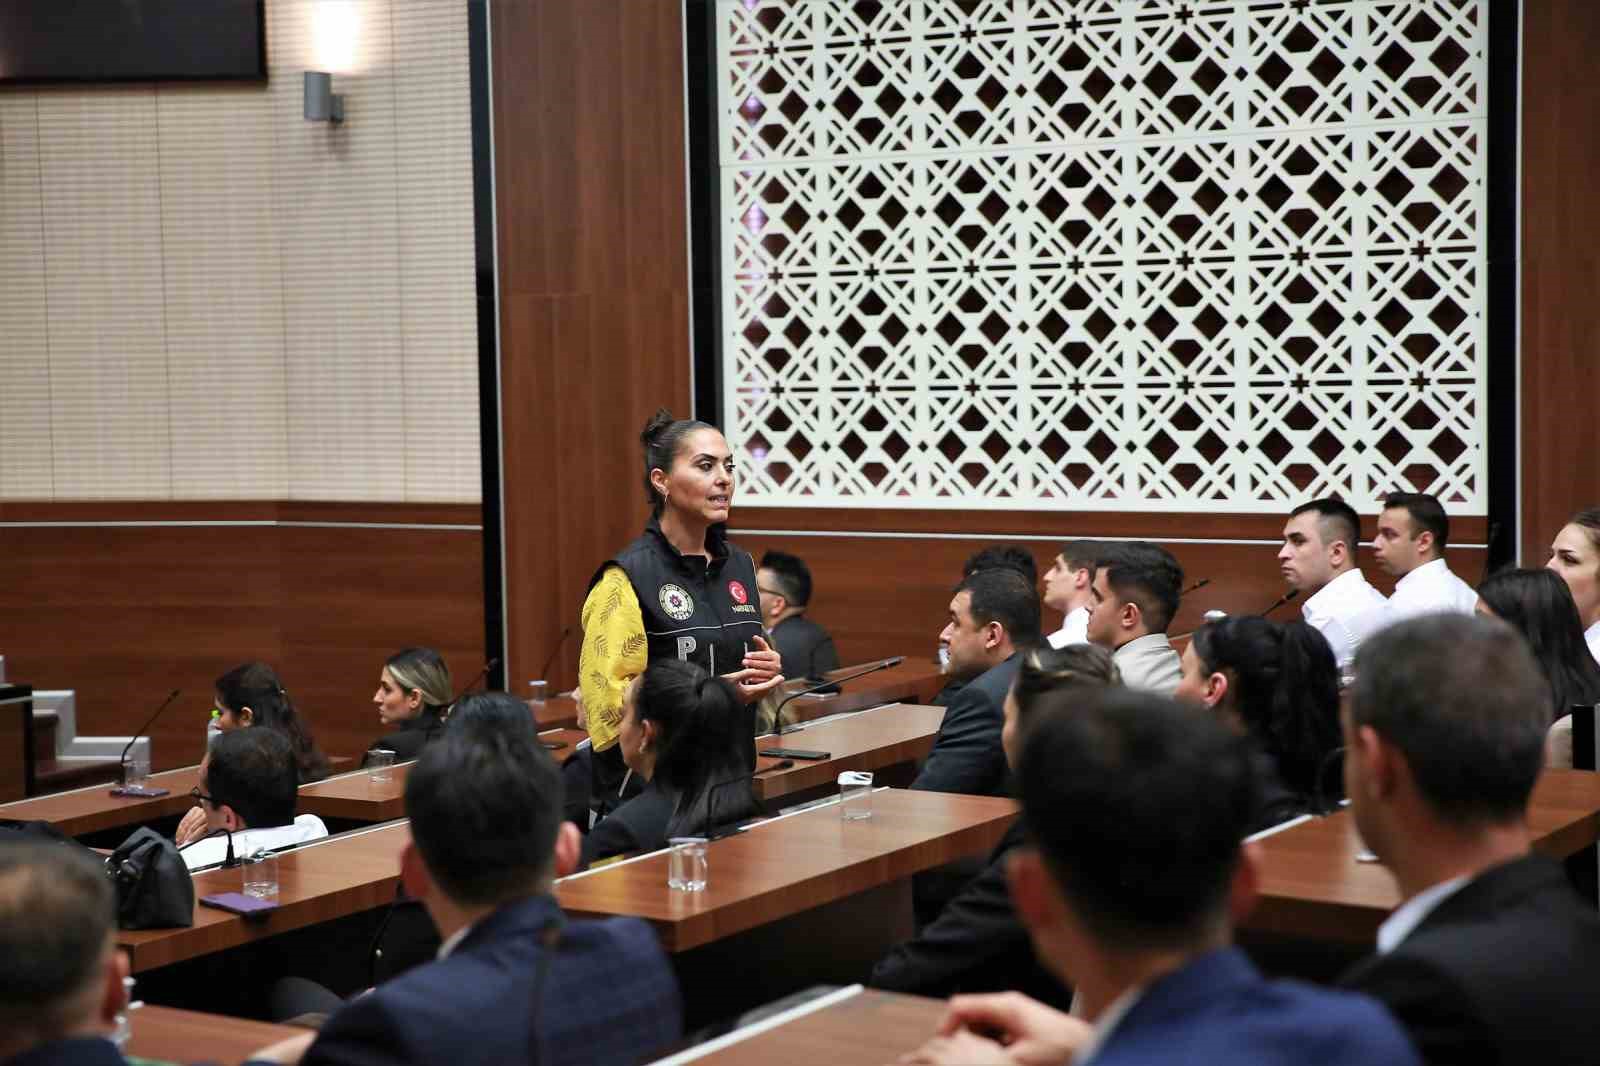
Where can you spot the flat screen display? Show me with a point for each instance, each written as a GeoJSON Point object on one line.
{"type": "Point", "coordinates": [44, 41]}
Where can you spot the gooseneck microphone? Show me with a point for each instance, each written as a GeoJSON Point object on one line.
{"type": "Point", "coordinates": [122, 760]}
{"type": "Point", "coordinates": [777, 716]}
{"type": "Point", "coordinates": [483, 675]}
{"type": "Point", "coordinates": [228, 862]}
{"type": "Point", "coordinates": [1280, 601]}
{"type": "Point", "coordinates": [1196, 587]}
{"type": "Point", "coordinates": [561, 641]}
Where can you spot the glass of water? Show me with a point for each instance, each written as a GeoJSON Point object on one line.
{"type": "Point", "coordinates": [260, 874]}
{"type": "Point", "coordinates": [136, 770]}
{"type": "Point", "coordinates": [855, 795]}
{"type": "Point", "coordinates": [380, 765]}
{"type": "Point", "coordinates": [686, 864]}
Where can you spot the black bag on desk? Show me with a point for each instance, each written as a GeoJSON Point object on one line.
{"type": "Point", "coordinates": [154, 889]}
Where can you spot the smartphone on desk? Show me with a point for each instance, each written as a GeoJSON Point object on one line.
{"type": "Point", "coordinates": [238, 903]}
{"type": "Point", "coordinates": [795, 753]}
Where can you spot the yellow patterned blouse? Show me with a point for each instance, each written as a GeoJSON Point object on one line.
{"type": "Point", "coordinates": [615, 651]}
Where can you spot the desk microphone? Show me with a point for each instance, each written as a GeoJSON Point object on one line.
{"type": "Point", "coordinates": [122, 760]}
{"type": "Point", "coordinates": [1280, 601]}
{"type": "Point", "coordinates": [482, 676]}
{"type": "Point", "coordinates": [779, 728]}
{"type": "Point", "coordinates": [560, 643]}
{"type": "Point", "coordinates": [228, 862]}
{"type": "Point", "coordinates": [1196, 587]}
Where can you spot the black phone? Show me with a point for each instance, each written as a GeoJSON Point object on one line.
{"type": "Point", "coordinates": [795, 753]}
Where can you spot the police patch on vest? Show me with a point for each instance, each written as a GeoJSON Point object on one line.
{"type": "Point", "coordinates": [676, 602]}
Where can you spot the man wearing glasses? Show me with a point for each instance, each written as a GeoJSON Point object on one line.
{"type": "Point", "coordinates": [248, 786]}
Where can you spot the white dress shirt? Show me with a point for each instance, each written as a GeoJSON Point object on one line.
{"type": "Point", "coordinates": [211, 851]}
{"type": "Point", "coordinates": [1592, 635]}
{"type": "Point", "coordinates": [1075, 629]}
{"type": "Point", "coordinates": [1149, 663]}
{"type": "Point", "coordinates": [1428, 589]}
{"type": "Point", "coordinates": [1410, 914]}
{"type": "Point", "coordinates": [1347, 610]}
{"type": "Point", "coordinates": [1110, 1018]}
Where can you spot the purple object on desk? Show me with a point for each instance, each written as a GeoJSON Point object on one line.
{"type": "Point", "coordinates": [140, 791]}
{"type": "Point", "coordinates": [238, 903]}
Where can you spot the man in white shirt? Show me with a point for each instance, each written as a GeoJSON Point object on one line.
{"type": "Point", "coordinates": [248, 789]}
{"type": "Point", "coordinates": [1492, 957]}
{"type": "Point", "coordinates": [1130, 891]}
{"type": "Point", "coordinates": [1318, 558]}
{"type": "Point", "coordinates": [1136, 589]}
{"type": "Point", "coordinates": [1068, 588]}
{"type": "Point", "coordinates": [1413, 531]}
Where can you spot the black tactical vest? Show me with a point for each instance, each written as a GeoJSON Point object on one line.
{"type": "Point", "coordinates": [704, 613]}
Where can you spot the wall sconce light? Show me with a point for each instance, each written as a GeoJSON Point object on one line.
{"type": "Point", "coordinates": [322, 104]}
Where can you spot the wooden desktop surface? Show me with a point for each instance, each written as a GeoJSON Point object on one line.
{"type": "Point", "coordinates": [357, 798]}
{"type": "Point", "coordinates": [867, 1028]}
{"type": "Point", "coordinates": [318, 882]}
{"type": "Point", "coordinates": [871, 740]}
{"type": "Point", "coordinates": [170, 1035]}
{"type": "Point", "coordinates": [1313, 887]}
{"type": "Point", "coordinates": [791, 864]}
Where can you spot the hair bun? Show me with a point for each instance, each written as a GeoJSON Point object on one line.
{"type": "Point", "coordinates": [654, 427]}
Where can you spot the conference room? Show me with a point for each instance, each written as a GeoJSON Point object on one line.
{"type": "Point", "coordinates": [364, 360]}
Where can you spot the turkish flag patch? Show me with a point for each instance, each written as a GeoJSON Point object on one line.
{"type": "Point", "coordinates": [738, 593]}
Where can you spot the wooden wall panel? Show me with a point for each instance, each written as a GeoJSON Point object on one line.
{"type": "Point", "coordinates": [589, 131]}
{"type": "Point", "coordinates": [123, 614]}
{"type": "Point", "coordinates": [1560, 267]}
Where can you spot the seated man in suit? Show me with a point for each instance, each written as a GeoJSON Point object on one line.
{"type": "Point", "coordinates": [783, 582]}
{"type": "Point", "coordinates": [514, 981]}
{"type": "Point", "coordinates": [993, 615]}
{"type": "Point", "coordinates": [60, 971]}
{"type": "Point", "coordinates": [1130, 891]}
{"type": "Point", "coordinates": [248, 789]}
{"type": "Point", "coordinates": [1136, 589]}
{"type": "Point", "coordinates": [1492, 958]}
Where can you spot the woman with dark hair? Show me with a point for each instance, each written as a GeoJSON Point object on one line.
{"type": "Point", "coordinates": [680, 591]}
{"type": "Point", "coordinates": [251, 696]}
{"type": "Point", "coordinates": [977, 943]}
{"type": "Point", "coordinates": [1575, 556]}
{"type": "Point", "coordinates": [690, 738]}
{"type": "Point", "coordinates": [1276, 683]}
{"type": "Point", "coordinates": [1538, 604]}
{"type": "Point", "coordinates": [414, 695]}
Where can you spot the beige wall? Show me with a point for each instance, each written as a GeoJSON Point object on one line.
{"type": "Point", "coordinates": [204, 296]}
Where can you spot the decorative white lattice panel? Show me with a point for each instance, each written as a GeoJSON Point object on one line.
{"type": "Point", "coordinates": [1104, 254]}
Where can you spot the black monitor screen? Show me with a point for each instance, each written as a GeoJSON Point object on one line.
{"type": "Point", "coordinates": [132, 40]}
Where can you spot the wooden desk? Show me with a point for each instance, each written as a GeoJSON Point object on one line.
{"type": "Point", "coordinates": [792, 864]}
{"type": "Point", "coordinates": [852, 1027]}
{"type": "Point", "coordinates": [917, 680]}
{"type": "Point", "coordinates": [871, 740]}
{"type": "Point", "coordinates": [318, 882]}
{"type": "Point", "coordinates": [171, 1035]}
{"type": "Point", "coordinates": [16, 742]}
{"type": "Point", "coordinates": [1312, 886]}
{"type": "Point", "coordinates": [356, 797]}
{"type": "Point", "coordinates": [92, 808]}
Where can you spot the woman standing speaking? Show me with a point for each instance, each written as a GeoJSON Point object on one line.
{"type": "Point", "coordinates": [681, 591]}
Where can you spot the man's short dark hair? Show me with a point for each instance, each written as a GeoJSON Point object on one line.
{"type": "Point", "coordinates": [491, 712]}
{"type": "Point", "coordinates": [1108, 781]}
{"type": "Point", "coordinates": [1336, 520]}
{"type": "Point", "coordinates": [254, 772]}
{"type": "Point", "coordinates": [1003, 595]}
{"type": "Point", "coordinates": [1463, 699]}
{"type": "Point", "coordinates": [1003, 557]}
{"type": "Point", "coordinates": [57, 913]}
{"type": "Point", "coordinates": [1083, 554]}
{"type": "Point", "coordinates": [791, 575]}
{"type": "Point", "coordinates": [485, 807]}
{"type": "Point", "coordinates": [1146, 574]}
{"type": "Point", "coordinates": [1427, 514]}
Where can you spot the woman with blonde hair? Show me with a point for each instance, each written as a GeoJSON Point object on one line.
{"type": "Point", "coordinates": [413, 698]}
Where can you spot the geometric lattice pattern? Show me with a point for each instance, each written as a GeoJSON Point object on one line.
{"type": "Point", "coordinates": [1104, 254]}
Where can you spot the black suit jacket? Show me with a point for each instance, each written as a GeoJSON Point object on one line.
{"type": "Point", "coordinates": [806, 648]}
{"type": "Point", "coordinates": [967, 756]}
{"type": "Point", "coordinates": [1503, 972]}
{"type": "Point", "coordinates": [411, 736]}
{"type": "Point", "coordinates": [75, 1051]}
{"type": "Point", "coordinates": [640, 824]}
{"type": "Point", "coordinates": [977, 944]}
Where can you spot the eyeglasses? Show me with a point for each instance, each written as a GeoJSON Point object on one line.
{"type": "Point", "coordinates": [768, 592]}
{"type": "Point", "coordinates": [196, 795]}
